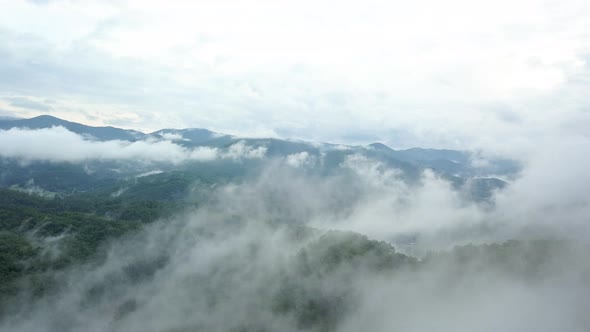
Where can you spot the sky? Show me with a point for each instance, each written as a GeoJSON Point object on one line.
{"type": "Point", "coordinates": [496, 75]}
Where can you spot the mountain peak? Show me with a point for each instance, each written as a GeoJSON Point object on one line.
{"type": "Point", "coordinates": [46, 116]}
{"type": "Point", "coordinates": [45, 120]}
{"type": "Point", "coordinates": [380, 147]}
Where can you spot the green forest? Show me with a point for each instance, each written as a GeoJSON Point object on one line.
{"type": "Point", "coordinates": [42, 238]}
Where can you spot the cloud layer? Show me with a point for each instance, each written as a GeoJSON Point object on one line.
{"type": "Point", "coordinates": [57, 144]}
{"type": "Point", "coordinates": [227, 264]}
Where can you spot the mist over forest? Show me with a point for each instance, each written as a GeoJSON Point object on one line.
{"type": "Point", "coordinates": [304, 166]}
{"type": "Point", "coordinates": [164, 232]}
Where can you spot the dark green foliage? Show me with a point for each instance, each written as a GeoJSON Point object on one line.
{"type": "Point", "coordinates": [314, 292]}
{"type": "Point", "coordinates": [310, 305]}
{"type": "Point", "coordinates": [336, 249]}
{"type": "Point", "coordinates": [55, 177]}
{"type": "Point", "coordinates": [75, 227]}
{"type": "Point", "coordinates": [15, 252]}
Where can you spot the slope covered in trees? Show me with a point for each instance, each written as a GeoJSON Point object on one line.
{"type": "Point", "coordinates": [45, 241]}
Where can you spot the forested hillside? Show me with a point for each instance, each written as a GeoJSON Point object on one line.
{"type": "Point", "coordinates": [314, 286]}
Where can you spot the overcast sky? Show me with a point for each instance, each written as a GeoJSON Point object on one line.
{"type": "Point", "coordinates": [455, 73]}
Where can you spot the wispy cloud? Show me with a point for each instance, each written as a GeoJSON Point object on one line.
{"type": "Point", "coordinates": [27, 103]}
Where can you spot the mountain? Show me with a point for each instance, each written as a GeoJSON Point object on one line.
{"type": "Point", "coordinates": [100, 133]}
{"type": "Point", "coordinates": [319, 158]}
{"type": "Point", "coordinates": [380, 147]}
{"type": "Point", "coordinates": [451, 162]}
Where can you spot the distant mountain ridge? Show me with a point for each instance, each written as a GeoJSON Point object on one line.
{"type": "Point", "coordinates": [200, 135]}
{"type": "Point", "coordinates": [48, 121]}
{"type": "Point", "coordinates": [449, 163]}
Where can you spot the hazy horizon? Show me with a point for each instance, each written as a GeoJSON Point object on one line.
{"type": "Point", "coordinates": [458, 74]}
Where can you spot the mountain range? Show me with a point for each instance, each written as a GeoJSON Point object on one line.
{"type": "Point", "coordinates": [63, 177]}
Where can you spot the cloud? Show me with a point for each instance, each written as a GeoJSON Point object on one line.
{"type": "Point", "coordinates": [239, 260]}
{"type": "Point", "coordinates": [7, 115]}
{"type": "Point", "coordinates": [299, 159]}
{"type": "Point", "coordinates": [207, 68]}
{"type": "Point", "coordinates": [41, 2]}
{"type": "Point", "coordinates": [226, 260]}
{"type": "Point", "coordinates": [362, 194]}
{"type": "Point", "coordinates": [29, 104]}
{"type": "Point", "coordinates": [241, 150]}
{"type": "Point", "coordinates": [502, 77]}
{"type": "Point", "coordinates": [552, 190]}
{"type": "Point", "coordinates": [172, 137]}
{"type": "Point", "coordinates": [47, 145]}
{"type": "Point", "coordinates": [389, 207]}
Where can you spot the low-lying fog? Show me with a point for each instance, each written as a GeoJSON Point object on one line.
{"type": "Point", "coordinates": [273, 253]}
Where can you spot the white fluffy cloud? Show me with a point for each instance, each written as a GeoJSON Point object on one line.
{"type": "Point", "coordinates": [60, 145]}
{"type": "Point", "coordinates": [553, 189]}
{"type": "Point", "coordinates": [241, 150]}
{"type": "Point", "coordinates": [299, 159]}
